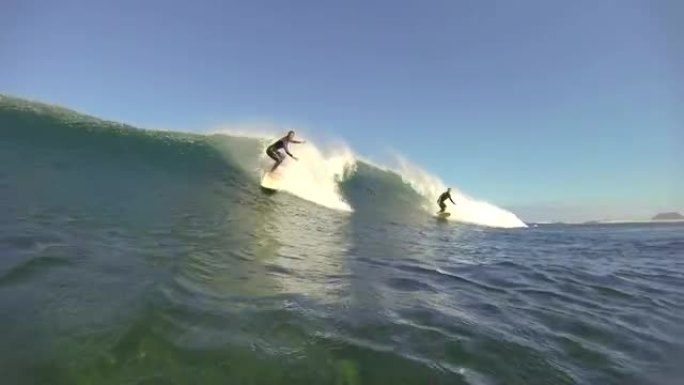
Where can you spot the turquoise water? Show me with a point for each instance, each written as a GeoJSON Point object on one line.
{"type": "Point", "coordinates": [137, 257]}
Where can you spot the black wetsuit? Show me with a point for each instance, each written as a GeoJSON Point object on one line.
{"type": "Point", "coordinates": [273, 150]}
{"type": "Point", "coordinates": [446, 195]}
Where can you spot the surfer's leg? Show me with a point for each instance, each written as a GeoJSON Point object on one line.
{"type": "Point", "coordinates": [442, 207]}
{"type": "Point", "coordinates": [279, 160]}
{"type": "Point", "coordinates": [272, 154]}
{"type": "Point", "coordinates": [275, 155]}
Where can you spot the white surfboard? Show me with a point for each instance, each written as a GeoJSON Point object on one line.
{"type": "Point", "coordinates": [270, 181]}
{"type": "Point", "coordinates": [443, 215]}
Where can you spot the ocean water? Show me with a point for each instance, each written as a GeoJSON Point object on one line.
{"type": "Point", "coordinates": [147, 257]}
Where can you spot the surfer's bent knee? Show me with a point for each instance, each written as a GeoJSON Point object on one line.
{"type": "Point", "coordinates": [273, 154]}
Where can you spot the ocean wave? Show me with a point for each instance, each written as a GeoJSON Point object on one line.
{"type": "Point", "coordinates": [332, 176]}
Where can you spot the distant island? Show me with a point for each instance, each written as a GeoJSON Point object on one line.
{"type": "Point", "coordinates": [660, 217]}
{"type": "Point", "coordinates": [668, 217]}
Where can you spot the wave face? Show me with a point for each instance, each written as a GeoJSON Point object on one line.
{"type": "Point", "coordinates": [330, 177]}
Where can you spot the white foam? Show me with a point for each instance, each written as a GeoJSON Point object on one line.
{"type": "Point", "coordinates": [315, 176]}
{"type": "Point", "coordinates": [467, 209]}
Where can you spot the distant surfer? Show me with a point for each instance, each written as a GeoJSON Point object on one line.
{"type": "Point", "coordinates": [445, 195]}
{"type": "Point", "coordinates": [273, 150]}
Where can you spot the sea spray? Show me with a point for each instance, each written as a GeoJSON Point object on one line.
{"type": "Point", "coordinates": [316, 175]}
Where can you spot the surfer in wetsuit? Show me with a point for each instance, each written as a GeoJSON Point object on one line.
{"type": "Point", "coordinates": [273, 150]}
{"type": "Point", "coordinates": [440, 201]}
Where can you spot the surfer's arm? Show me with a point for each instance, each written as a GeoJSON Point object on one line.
{"type": "Point", "coordinates": [452, 201]}
{"type": "Point", "coordinates": [290, 154]}
{"type": "Point", "coordinates": [297, 141]}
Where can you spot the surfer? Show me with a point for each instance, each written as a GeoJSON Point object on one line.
{"type": "Point", "coordinates": [273, 150]}
{"type": "Point", "coordinates": [445, 195]}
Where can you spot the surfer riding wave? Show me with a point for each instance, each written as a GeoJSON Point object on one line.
{"type": "Point", "coordinates": [440, 201]}
{"type": "Point", "coordinates": [273, 151]}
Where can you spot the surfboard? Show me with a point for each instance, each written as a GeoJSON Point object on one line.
{"type": "Point", "coordinates": [443, 215]}
{"type": "Point", "coordinates": [270, 182]}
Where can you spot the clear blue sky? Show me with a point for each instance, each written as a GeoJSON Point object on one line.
{"type": "Point", "coordinates": [523, 103]}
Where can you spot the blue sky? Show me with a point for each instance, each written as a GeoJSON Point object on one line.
{"type": "Point", "coordinates": [528, 104]}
